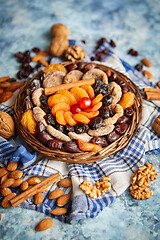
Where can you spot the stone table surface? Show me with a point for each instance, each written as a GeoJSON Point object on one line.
{"type": "Point", "coordinates": [131, 24]}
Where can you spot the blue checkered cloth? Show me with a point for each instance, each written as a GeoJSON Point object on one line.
{"type": "Point", "coordinates": [119, 166]}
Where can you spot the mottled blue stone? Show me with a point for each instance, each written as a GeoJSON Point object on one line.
{"type": "Point", "coordinates": [25, 24]}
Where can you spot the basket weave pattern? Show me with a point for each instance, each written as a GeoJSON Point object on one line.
{"type": "Point", "coordinates": [84, 157]}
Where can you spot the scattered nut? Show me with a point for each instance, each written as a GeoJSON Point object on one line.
{"type": "Point", "coordinates": [56, 193]}
{"type": "Point", "coordinates": [63, 200]}
{"type": "Point", "coordinates": [158, 84]}
{"type": "Point", "coordinates": [7, 127]}
{"type": "Point", "coordinates": [65, 183]}
{"type": "Point", "coordinates": [156, 125]}
{"type": "Point", "coordinates": [59, 211]}
{"type": "Point", "coordinates": [33, 180]}
{"type": "Point", "coordinates": [147, 74]}
{"type": "Point", "coordinates": [44, 224]}
{"type": "Point", "coordinates": [12, 166]}
{"type": "Point", "coordinates": [146, 62]}
{"type": "Point", "coordinates": [58, 46]}
{"type": "Point", "coordinates": [74, 53]}
{"type": "Point", "coordinates": [38, 198]}
{"type": "Point", "coordinates": [24, 186]}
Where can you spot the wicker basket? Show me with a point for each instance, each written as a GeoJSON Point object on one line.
{"type": "Point", "coordinates": [84, 157]}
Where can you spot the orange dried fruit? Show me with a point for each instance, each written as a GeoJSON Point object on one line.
{"type": "Point", "coordinates": [90, 114]}
{"type": "Point", "coordinates": [69, 118]}
{"type": "Point", "coordinates": [28, 122]}
{"type": "Point", "coordinates": [88, 88]}
{"type": "Point", "coordinates": [79, 93]}
{"type": "Point", "coordinates": [127, 100]}
{"type": "Point", "coordinates": [69, 95]}
{"type": "Point", "coordinates": [94, 108]}
{"type": "Point", "coordinates": [88, 147]}
{"type": "Point", "coordinates": [60, 118]}
{"type": "Point", "coordinates": [57, 98]}
{"type": "Point", "coordinates": [81, 118]}
{"type": "Point", "coordinates": [97, 99]}
{"type": "Point", "coordinates": [60, 106]}
{"type": "Point", "coordinates": [55, 67]}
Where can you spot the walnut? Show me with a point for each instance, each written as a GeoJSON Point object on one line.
{"type": "Point", "coordinates": [58, 46]}
{"type": "Point", "coordinates": [7, 127]}
{"type": "Point", "coordinates": [59, 30]}
{"type": "Point", "coordinates": [74, 53]}
{"type": "Point", "coordinates": [140, 181]}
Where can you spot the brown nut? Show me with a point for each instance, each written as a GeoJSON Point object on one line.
{"type": "Point", "coordinates": [5, 191]}
{"type": "Point", "coordinates": [12, 166]}
{"type": "Point", "coordinates": [3, 171]}
{"type": "Point", "coordinates": [59, 211]}
{"type": "Point", "coordinates": [158, 84]}
{"type": "Point", "coordinates": [15, 174]}
{"type": "Point", "coordinates": [33, 180]}
{"type": "Point", "coordinates": [58, 46]}
{"type": "Point", "coordinates": [74, 53]}
{"type": "Point", "coordinates": [65, 183]}
{"type": "Point", "coordinates": [146, 62]}
{"type": "Point", "coordinates": [147, 74]}
{"type": "Point", "coordinates": [4, 178]}
{"type": "Point", "coordinates": [63, 200]}
{"type": "Point", "coordinates": [56, 193]}
{"type": "Point", "coordinates": [8, 182]}
{"type": "Point", "coordinates": [7, 127]}
{"type": "Point", "coordinates": [156, 125]}
{"type": "Point", "coordinates": [17, 182]}
{"type": "Point", "coordinates": [6, 201]}
{"type": "Point", "coordinates": [44, 224]}
{"type": "Point", "coordinates": [59, 30]}
{"type": "Point", "coordinates": [24, 186]}
{"type": "Point", "coordinates": [38, 198]}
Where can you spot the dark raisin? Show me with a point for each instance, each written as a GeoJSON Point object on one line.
{"type": "Point", "coordinates": [133, 52]}
{"type": "Point", "coordinates": [96, 123]}
{"type": "Point", "coordinates": [124, 89]}
{"type": "Point", "coordinates": [107, 100]}
{"type": "Point", "coordinates": [35, 49]}
{"type": "Point", "coordinates": [104, 112]}
{"type": "Point", "coordinates": [20, 74]}
{"type": "Point", "coordinates": [83, 41]}
{"type": "Point", "coordinates": [112, 137]}
{"type": "Point", "coordinates": [28, 104]}
{"type": "Point", "coordinates": [80, 66]}
{"type": "Point", "coordinates": [123, 119]}
{"type": "Point", "coordinates": [46, 108]}
{"type": "Point", "coordinates": [105, 51]}
{"type": "Point", "coordinates": [100, 87]}
{"type": "Point", "coordinates": [71, 67]}
{"type": "Point", "coordinates": [128, 112]}
{"type": "Point", "coordinates": [112, 43]}
{"type": "Point", "coordinates": [139, 67]}
{"type": "Point", "coordinates": [100, 59]}
{"type": "Point", "coordinates": [37, 66]}
{"type": "Point", "coordinates": [93, 58]}
{"type": "Point", "coordinates": [43, 98]}
{"type": "Point", "coordinates": [18, 55]}
{"type": "Point", "coordinates": [35, 84]}
{"type": "Point", "coordinates": [60, 127]}
{"type": "Point", "coordinates": [121, 128]}
{"type": "Point", "coordinates": [69, 128]}
{"type": "Point", "coordinates": [40, 127]}
{"type": "Point", "coordinates": [99, 53]}
{"type": "Point", "coordinates": [130, 51]}
{"type": "Point", "coordinates": [101, 41]}
{"type": "Point", "coordinates": [81, 128]}
{"type": "Point", "coordinates": [26, 67]}
{"type": "Point", "coordinates": [50, 119]}
{"type": "Point", "coordinates": [99, 140]}
{"type": "Point", "coordinates": [26, 53]}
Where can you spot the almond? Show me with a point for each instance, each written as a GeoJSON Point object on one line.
{"type": "Point", "coordinates": [56, 193]}
{"type": "Point", "coordinates": [158, 84]}
{"type": "Point", "coordinates": [156, 125]}
{"type": "Point", "coordinates": [24, 186]}
{"type": "Point", "coordinates": [6, 201]}
{"type": "Point", "coordinates": [17, 182]}
{"type": "Point", "coordinates": [63, 200]}
{"type": "Point", "coordinates": [33, 180]}
{"type": "Point", "coordinates": [16, 174]}
{"type": "Point", "coordinates": [146, 62]}
{"type": "Point", "coordinates": [8, 182]}
{"type": "Point", "coordinates": [44, 224]}
{"type": "Point", "coordinates": [3, 171]}
{"type": "Point", "coordinates": [12, 166]}
{"type": "Point", "coordinates": [38, 198]}
{"type": "Point", "coordinates": [4, 178]}
{"type": "Point", "coordinates": [59, 211]}
{"type": "Point", "coordinates": [5, 191]}
{"type": "Point", "coordinates": [65, 183]}
{"type": "Point", "coordinates": [147, 74]}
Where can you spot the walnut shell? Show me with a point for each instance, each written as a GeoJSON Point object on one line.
{"type": "Point", "coordinates": [58, 46]}
{"type": "Point", "coordinates": [7, 127]}
{"type": "Point", "coordinates": [59, 30]}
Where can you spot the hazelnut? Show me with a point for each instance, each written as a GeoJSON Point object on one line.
{"type": "Point", "coordinates": [7, 127]}
{"type": "Point", "coordinates": [59, 30]}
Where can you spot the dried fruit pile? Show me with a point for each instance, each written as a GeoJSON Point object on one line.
{"type": "Point", "coordinates": [77, 108]}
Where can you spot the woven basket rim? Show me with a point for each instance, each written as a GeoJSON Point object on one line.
{"type": "Point", "coordinates": [83, 157]}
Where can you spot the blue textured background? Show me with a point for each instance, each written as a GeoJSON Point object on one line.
{"type": "Point", "coordinates": [131, 24]}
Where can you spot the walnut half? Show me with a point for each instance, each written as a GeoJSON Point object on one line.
{"type": "Point", "coordinates": [74, 53]}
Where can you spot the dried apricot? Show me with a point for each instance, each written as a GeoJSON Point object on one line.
{"type": "Point", "coordinates": [94, 108]}
{"type": "Point", "coordinates": [88, 88]}
{"type": "Point", "coordinates": [127, 100]}
{"type": "Point", "coordinates": [57, 98]}
{"type": "Point", "coordinates": [69, 118]}
{"type": "Point", "coordinates": [28, 122]}
{"type": "Point", "coordinates": [79, 93]}
{"type": "Point", "coordinates": [90, 114]}
{"type": "Point", "coordinates": [60, 106]}
{"type": "Point", "coordinates": [69, 95]}
{"type": "Point", "coordinates": [81, 118]}
{"type": "Point", "coordinates": [60, 118]}
{"type": "Point", "coordinates": [88, 147]}
{"type": "Point", "coordinates": [55, 67]}
{"type": "Point", "coordinates": [97, 99]}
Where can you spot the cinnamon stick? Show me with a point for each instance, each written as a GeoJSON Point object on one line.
{"type": "Point", "coordinates": [35, 189]}
{"type": "Point", "coordinates": [5, 78]}
{"type": "Point", "coordinates": [153, 90]}
{"type": "Point", "coordinates": [51, 90]}
{"type": "Point", "coordinates": [152, 96]}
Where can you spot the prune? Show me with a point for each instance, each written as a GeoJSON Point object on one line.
{"type": "Point", "coordinates": [69, 128]}
{"type": "Point", "coordinates": [107, 100]}
{"type": "Point", "coordinates": [55, 144]}
{"type": "Point", "coordinates": [81, 128]}
{"type": "Point", "coordinates": [46, 108]}
{"type": "Point", "coordinates": [80, 66]}
{"type": "Point", "coordinates": [35, 49]}
{"type": "Point", "coordinates": [93, 58]}
{"type": "Point", "coordinates": [28, 104]}
{"type": "Point", "coordinates": [124, 89]}
{"type": "Point", "coordinates": [121, 128]}
{"type": "Point", "coordinates": [104, 112]}
{"type": "Point", "coordinates": [139, 67]}
{"type": "Point", "coordinates": [40, 127]}
{"type": "Point", "coordinates": [44, 137]}
{"type": "Point", "coordinates": [20, 74]}
{"type": "Point", "coordinates": [123, 119]}
{"type": "Point", "coordinates": [100, 42]}
{"type": "Point", "coordinates": [112, 43]}
{"type": "Point", "coordinates": [71, 147]}
{"type": "Point", "coordinates": [99, 140]}
{"type": "Point", "coordinates": [112, 137]}
{"type": "Point", "coordinates": [50, 119]}
{"type": "Point", "coordinates": [60, 127]}
{"type": "Point", "coordinates": [96, 123]}
{"type": "Point", "coordinates": [71, 67]}
{"type": "Point", "coordinates": [100, 87]}
{"type": "Point", "coordinates": [128, 112]}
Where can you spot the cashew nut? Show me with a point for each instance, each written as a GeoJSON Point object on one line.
{"type": "Point", "coordinates": [36, 96]}
{"type": "Point", "coordinates": [96, 74]}
{"type": "Point", "coordinates": [73, 76]}
{"type": "Point", "coordinates": [53, 78]}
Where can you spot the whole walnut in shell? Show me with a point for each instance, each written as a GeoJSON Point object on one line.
{"type": "Point", "coordinates": [59, 30]}
{"type": "Point", "coordinates": [58, 46]}
{"type": "Point", "coordinates": [7, 127]}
